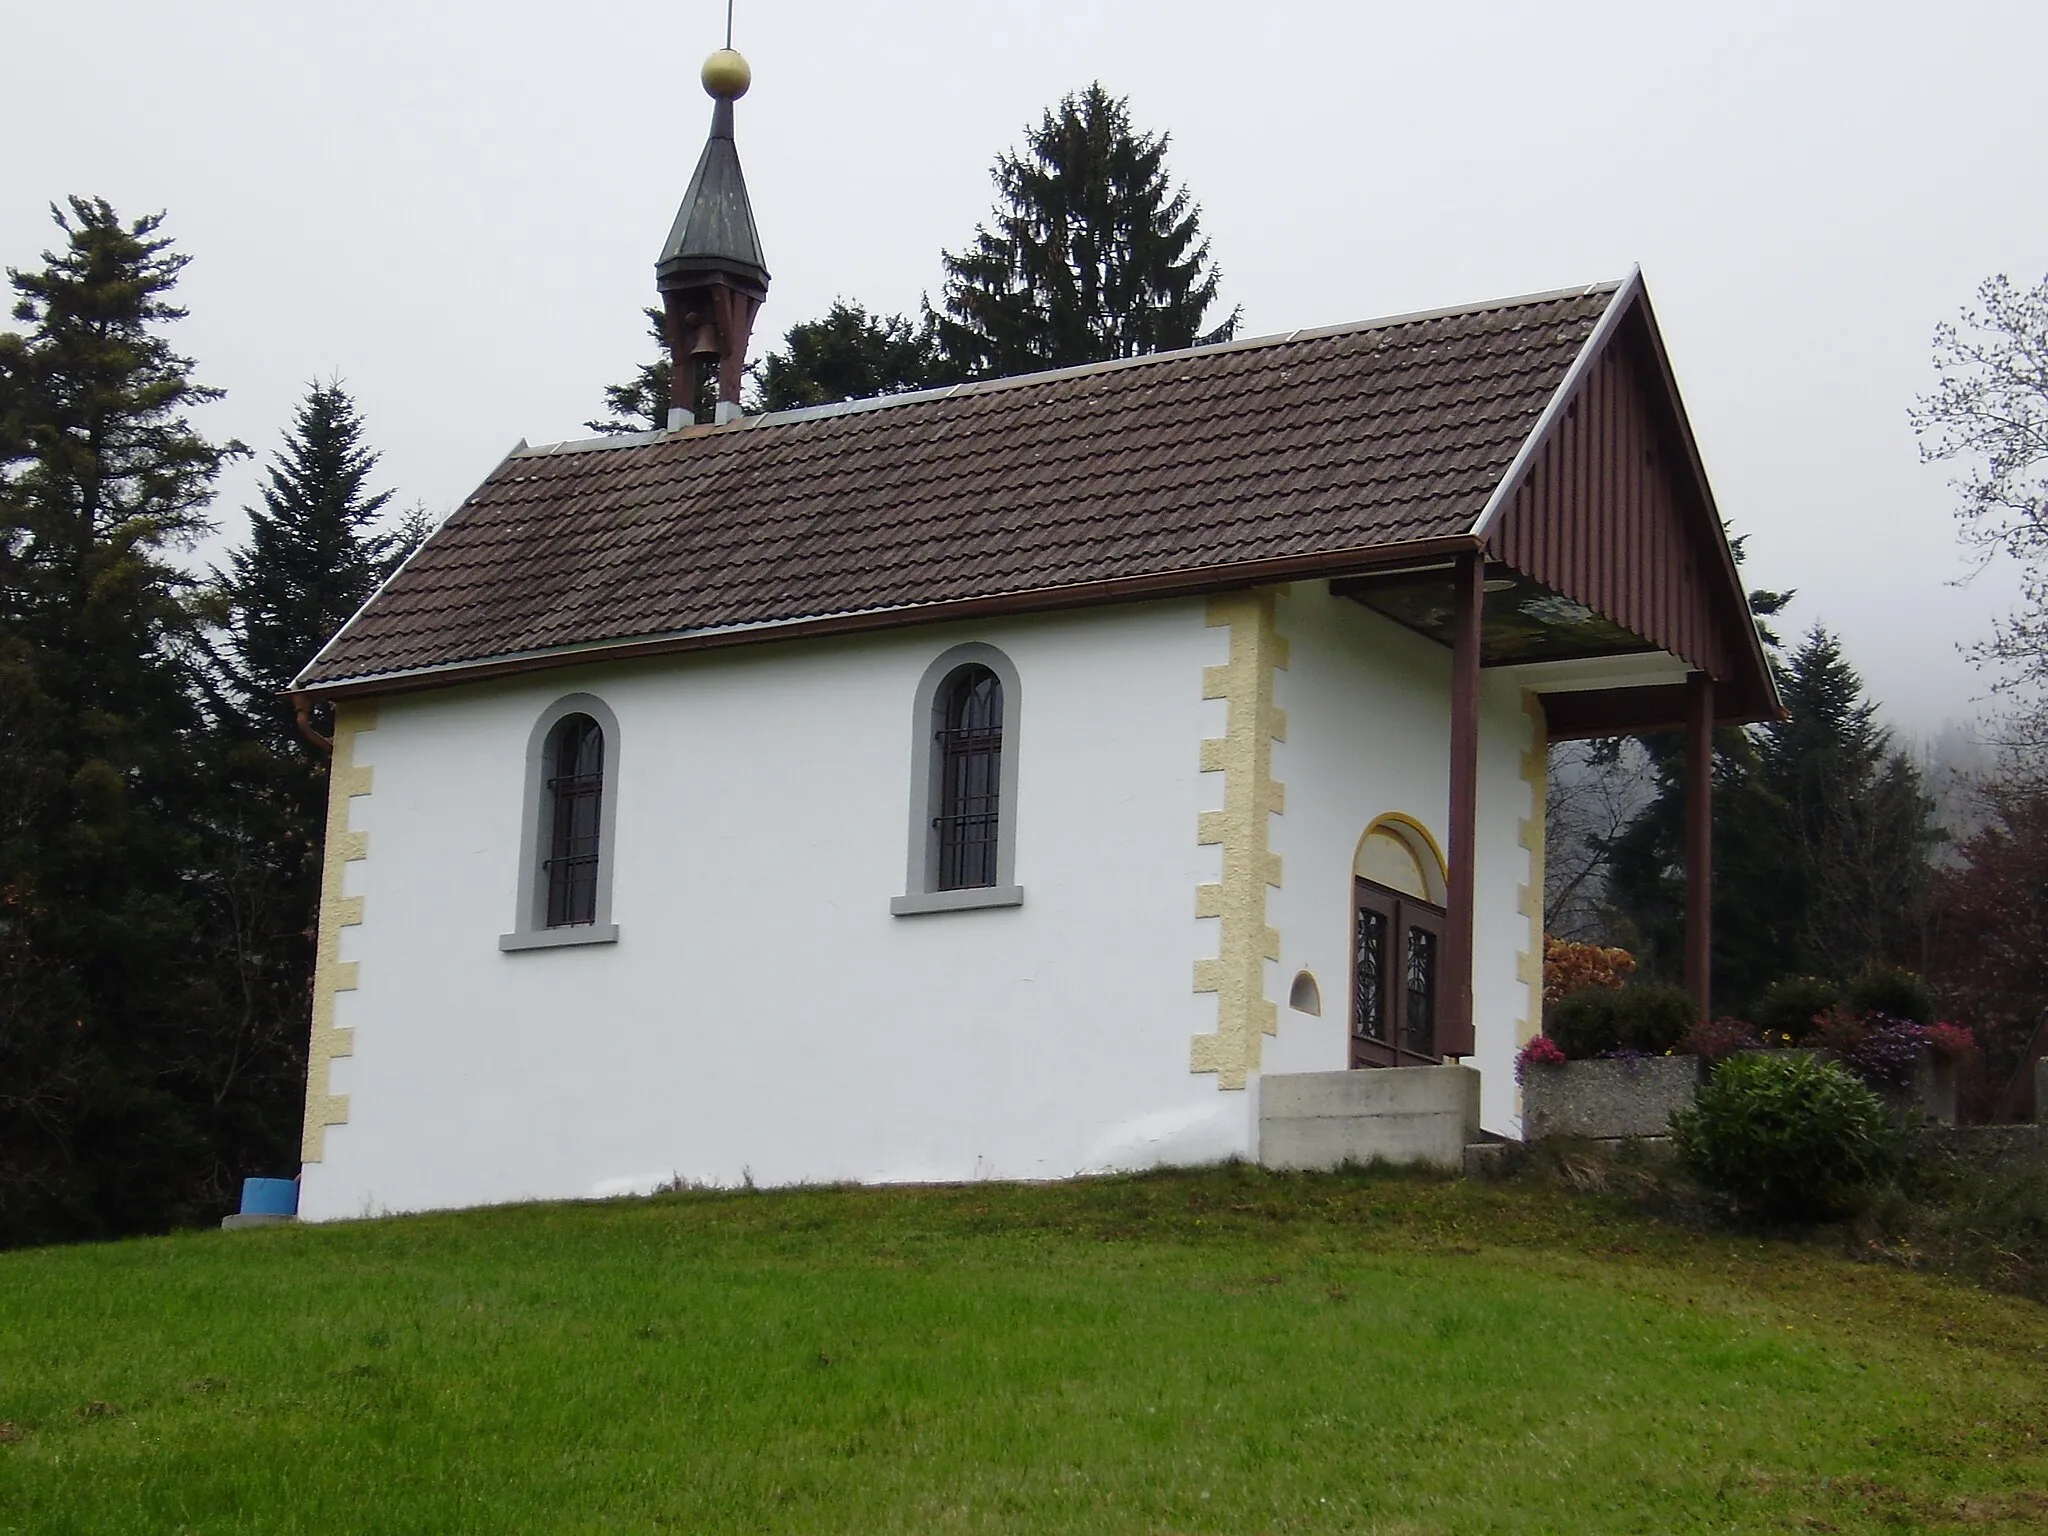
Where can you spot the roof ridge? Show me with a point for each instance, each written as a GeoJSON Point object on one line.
{"type": "Point", "coordinates": [1081, 370]}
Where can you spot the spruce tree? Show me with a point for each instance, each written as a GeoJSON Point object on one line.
{"type": "Point", "coordinates": [316, 551]}
{"type": "Point", "coordinates": [641, 403]}
{"type": "Point", "coordinates": [1756, 915]}
{"type": "Point", "coordinates": [1822, 836]}
{"type": "Point", "coordinates": [1092, 252]}
{"type": "Point", "coordinates": [848, 355]}
{"type": "Point", "coordinates": [110, 1000]}
{"type": "Point", "coordinates": [1857, 819]}
{"type": "Point", "coordinates": [314, 556]}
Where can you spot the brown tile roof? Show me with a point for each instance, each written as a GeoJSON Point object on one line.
{"type": "Point", "coordinates": [1325, 443]}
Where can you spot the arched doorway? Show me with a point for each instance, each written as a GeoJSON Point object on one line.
{"type": "Point", "coordinates": [1397, 945]}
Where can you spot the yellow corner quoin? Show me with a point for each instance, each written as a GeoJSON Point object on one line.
{"type": "Point", "coordinates": [333, 975]}
{"type": "Point", "coordinates": [1535, 774]}
{"type": "Point", "coordinates": [1244, 756]}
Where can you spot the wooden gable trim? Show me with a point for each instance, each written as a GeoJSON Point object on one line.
{"type": "Point", "coordinates": [1609, 505]}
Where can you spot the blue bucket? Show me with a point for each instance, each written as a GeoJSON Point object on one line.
{"type": "Point", "coordinates": [270, 1197]}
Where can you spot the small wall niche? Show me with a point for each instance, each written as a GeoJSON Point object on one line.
{"type": "Point", "coordinates": [1305, 996]}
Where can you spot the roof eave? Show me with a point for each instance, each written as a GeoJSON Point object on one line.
{"type": "Point", "coordinates": [294, 690]}
{"type": "Point", "coordinates": [1151, 587]}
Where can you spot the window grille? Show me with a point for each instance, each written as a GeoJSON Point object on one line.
{"type": "Point", "coordinates": [1421, 1011]}
{"type": "Point", "coordinates": [970, 766]}
{"type": "Point", "coordinates": [1370, 969]}
{"type": "Point", "coordinates": [575, 791]}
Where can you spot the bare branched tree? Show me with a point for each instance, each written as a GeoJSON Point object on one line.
{"type": "Point", "coordinates": [1988, 413]}
{"type": "Point", "coordinates": [1597, 789]}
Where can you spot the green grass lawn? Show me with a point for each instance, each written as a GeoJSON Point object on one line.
{"type": "Point", "coordinates": [1226, 1351]}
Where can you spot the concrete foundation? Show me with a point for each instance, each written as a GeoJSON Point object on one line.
{"type": "Point", "coordinates": [1392, 1114]}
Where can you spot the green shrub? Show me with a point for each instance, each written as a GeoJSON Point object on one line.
{"type": "Point", "coordinates": [1792, 1003]}
{"type": "Point", "coordinates": [1655, 1018]}
{"type": "Point", "coordinates": [1787, 1136]}
{"type": "Point", "coordinates": [1598, 1020]}
{"type": "Point", "coordinates": [1586, 1023]}
{"type": "Point", "coordinates": [1894, 993]}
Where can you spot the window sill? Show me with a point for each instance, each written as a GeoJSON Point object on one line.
{"type": "Point", "coordinates": [957, 901]}
{"type": "Point", "coordinates": [560, 938]}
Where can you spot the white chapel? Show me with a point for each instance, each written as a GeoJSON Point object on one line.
{"type": "Point", "coordinates": [1033, 777]}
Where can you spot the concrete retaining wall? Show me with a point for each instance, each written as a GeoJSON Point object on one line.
{"type": "Point", "coordinates": [1607, 1099]}
{"type": "Point", "coordinates": [1397, 1114]}
{"type": "Point", "coordinates": [1990, 1148]}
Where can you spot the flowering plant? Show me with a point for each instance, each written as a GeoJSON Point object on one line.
{"type": "Point", "coordinates": [1888, 1052]}
{"type": "Point", "coordinates": [1840, 1031]}
{"type": "Point", "coordinates": [1951, 1042]}
{"type": "Point", "coordinates": [1542, 1051]}
{"type": "Point", "coordinates": [1570, 967]}
{"type": "Point", "coordinates": [1714, 1040]}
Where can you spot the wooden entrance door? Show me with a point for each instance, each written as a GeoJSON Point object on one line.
{"type": "Point", "coordinates": [1397, 946]}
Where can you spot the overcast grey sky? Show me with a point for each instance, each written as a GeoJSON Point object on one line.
{"type": "Point", "coordinates": [456, 206]}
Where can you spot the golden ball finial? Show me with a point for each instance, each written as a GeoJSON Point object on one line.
{"type": "Point", "coordinates": [727, 75]}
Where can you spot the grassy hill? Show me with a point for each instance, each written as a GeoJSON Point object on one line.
{"type": "Point", "coordinates": [1223, 1351]}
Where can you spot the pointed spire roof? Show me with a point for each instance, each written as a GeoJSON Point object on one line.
{"type": "Point", "coordinates": [714, 229]}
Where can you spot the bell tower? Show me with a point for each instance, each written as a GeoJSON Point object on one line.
{"type": "Point", "coordinates": [710, 273]}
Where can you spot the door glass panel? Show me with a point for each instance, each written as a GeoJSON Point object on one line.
{"type": "Point", "coordinates": [1369, 1013]}
{"type": "Point", "coordinates": [1419, 1021]}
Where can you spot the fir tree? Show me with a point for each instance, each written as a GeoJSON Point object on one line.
{"type": "Point", "coordinates": [848, 355]}
{"type": "Point", "coordinates": [315, 553]}
{"type": "Point", "coordinates": [109, 999]}
{"type": "Point", "coordinates": [641, 403]}
{"type": "Point", "coordinates": [1822, 836]}
{"type": "Point", "coordinates": [1092, 253]}
{"type": "Point", "coordinates": [1756, 916]}
{"type": "Point", "coordinates": [314, 556]}
{"type": "Point", "coordinates": [1857, 819]}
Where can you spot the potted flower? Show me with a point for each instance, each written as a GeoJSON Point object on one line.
{"type": "Point", "coordinates": [1604, 1066]}
{"type": "Point", "coordinates": [1914, 1065]}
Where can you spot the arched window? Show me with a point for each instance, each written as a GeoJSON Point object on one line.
{"type": "Point", "coordinates": [970, 764]}
{"type": "Point", "coordinates": [575, 792]}
{"type": "Point", "coordinates": [566, 842]}
{"type": "Point", "coordinates": [963, 785]}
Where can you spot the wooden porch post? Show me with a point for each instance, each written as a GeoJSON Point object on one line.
{"type": "Point", "coordinates": [1699, 838]}
{"type": "Point", "coordinates": [1455, 1024]}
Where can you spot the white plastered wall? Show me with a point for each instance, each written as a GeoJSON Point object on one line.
{"type": "Point", "coordinates": [763, 1015]}
{"type": "Point", "coordinates": [1368, 735]}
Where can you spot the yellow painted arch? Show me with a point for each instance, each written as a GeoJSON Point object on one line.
{"type": "Point", "coordinates": [1416, 838]}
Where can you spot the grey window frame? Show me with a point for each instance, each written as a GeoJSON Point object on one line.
{"type": "Point", "coordinates": [530, 928]}
{"type": "Point", "coordinates": [921, 893]}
